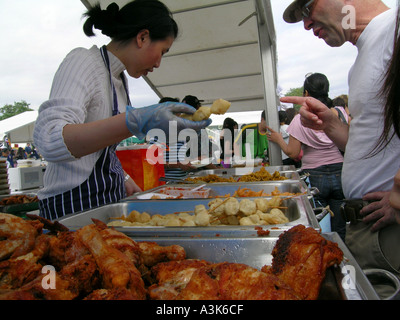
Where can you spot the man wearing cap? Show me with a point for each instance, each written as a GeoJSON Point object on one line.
{"type": "Point", "coordinates": [192, 101]}
{"type": "Point", "coordinates": [372, 234]}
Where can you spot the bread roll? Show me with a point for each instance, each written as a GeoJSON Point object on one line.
{"type": "Point", "coordinates": [220, 106]}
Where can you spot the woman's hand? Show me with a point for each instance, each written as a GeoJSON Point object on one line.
{"type": "Point", "coordinates": [274, 136]}
{"type": "Point", "coordinates": [131, 187]}
{"type": "Point", "coordinates": [291, 149]}
{"type": "Point", "coordinates": [141, 120]}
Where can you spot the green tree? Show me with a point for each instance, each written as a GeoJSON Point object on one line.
{"type": "Point", "coordinates": [295, 92]}
{"type": "Point", "coordinates": [10, 110]}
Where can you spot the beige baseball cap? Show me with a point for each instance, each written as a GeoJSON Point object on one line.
{"type": "Point", "coordinates": [293, 13]}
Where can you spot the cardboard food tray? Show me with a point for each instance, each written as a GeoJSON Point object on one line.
{"type": "Point", "coordinates": [343, 282]}
{"type": "Point", "coordinates": [298, 211]}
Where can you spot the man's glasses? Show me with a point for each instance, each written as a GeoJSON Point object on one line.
{"type": "Point", "coordinates": [306, 11]}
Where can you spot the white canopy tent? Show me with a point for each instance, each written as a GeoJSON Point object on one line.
{"type": "Point", "coordinates": [19, 128]}
{"type": "Point", "coordinates": [226, 49]}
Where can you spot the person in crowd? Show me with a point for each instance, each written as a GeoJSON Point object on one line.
{"type": "Point", "coordinates": [291, 113]}
{"type": "Point", "coordinates": [204, 143]}
{"type": "Point", "coordinates": [89, 110]}
{"type": "Point", "coordinates": [227, 137]}
{"type": "Point", "coordinates": [34, 154]}
{"type": "Point", "coordinates": [192, 101]}
{"type": "Point", "coordinates": [391, 92]}
{"type": "Point", "coordinates": [342, 101]}
{"type": "Point", "coordinates": [21, 154]}
{"type": "Point", "coordinates": [11, 159]}
{"type": "Point", "coordinates": [168, 99]}
{"type": "Point", "coordinates": [368, 174]}
{"type": "Point", "coordinates": [176, 165]}
{"type": "Point", "coordinates": [5, 152]}
{"type": "Point", "coordinates": [253, 135]}
{"type": "Point", "coordinates": [284, 125]}
{"type": "Point", "coordinates": [321, 160]}
{"type": "Point", "coordinates": [28, 149]}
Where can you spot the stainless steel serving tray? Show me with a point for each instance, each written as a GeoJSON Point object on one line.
{"type": "Point", "coordinates": [298, 211]}
{"type": "Point", "coordinates": [222, 189]}
{"type": "Point", "coordinates": [237, 173]}
{"type": "Point", "coordinates": [344, 282]}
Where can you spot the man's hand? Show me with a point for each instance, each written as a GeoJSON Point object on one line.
{"type": "Point", "coordinates": [379, 212]}
{"type": "Point", "coordinates": [316, 115]}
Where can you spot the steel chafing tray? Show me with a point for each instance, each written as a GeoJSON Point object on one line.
{"type": "Point", "coordinates": [212, 190]}
{"type": "Point", "coordinates": [298, 211]}
{"type": "Point", "coordinates": [343, 282]}
{"type": "Point", "coordinates": [237, 173]}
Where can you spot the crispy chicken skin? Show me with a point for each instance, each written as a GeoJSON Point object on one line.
{"type": "Point", "coordinates": [152, 253]}
{"type": "Point", "coordinates": [200, 280]}
{"type": "Point", "coordinates": [171, 277]}
{"type": "Point", "coordinates": [116, 269]}
{"type": "Point", "coordinates": [120, 242]}
{"type": "Point", "coordinates": [19, 235]}
{"type": "Point", "coordinates": [100, 263]}
{"type": "Point", "coordinates": [300, 259]}
{"type": "Point", "coordinates": [235, 281]}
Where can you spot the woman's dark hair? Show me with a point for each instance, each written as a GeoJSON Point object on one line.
{"type": "Point", "coordinates": [391, 93]}
{"type": "Point", "coordinates": [339, 102]}
{"type": "Point", "coordinates": [283, 117]}
{"type": "Point", "coordinates": [229, 124]}
{"type": "Point", "coordinates": [125, 23]}
{"type": "Point", "coordinates": [317, 86]}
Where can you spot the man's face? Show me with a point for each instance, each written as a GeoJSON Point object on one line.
{"type": "Point", "coordinates": [325, 20]}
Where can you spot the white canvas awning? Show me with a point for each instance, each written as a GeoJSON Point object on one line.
{"type": "Point", "coordinates": [226, 49]}
{"type": "Point", "coordinates": [19, 128]}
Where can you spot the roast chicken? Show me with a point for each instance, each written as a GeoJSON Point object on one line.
{"type": "Point", "coordinates": [301, 257]}
{"type": "Point", "coordinates": [100, 263]}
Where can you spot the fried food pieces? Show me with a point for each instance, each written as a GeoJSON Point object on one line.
{"type": "Point", "coordinates": [18, 199]}
{"type": "Point", "coordinates": [94, 262]}
{"type": "Point", "coordinates": [261, 175]}
{"type": "Point", "coordinates": [99, 263]}
{"type": "Point", "coordinates": [229, 211]}
{"type": "Point", "coordinates": [300, 259]}
{"type": "Point", "coordinates": [219, 106]}
{"type": "Point", "coordinates": [19, 236]}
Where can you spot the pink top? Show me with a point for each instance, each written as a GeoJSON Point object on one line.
{"type": "Point", "coordinates": [318, 149]}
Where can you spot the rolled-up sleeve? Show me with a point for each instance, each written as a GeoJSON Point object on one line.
{"type": "Point", "coordinates": [72, 93]}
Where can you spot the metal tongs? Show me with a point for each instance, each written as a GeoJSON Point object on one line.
{"type": "Point", "coordinates": [176, 180]}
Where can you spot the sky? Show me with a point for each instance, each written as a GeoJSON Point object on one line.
{"type": "Point", "coordinates": [37, 35]}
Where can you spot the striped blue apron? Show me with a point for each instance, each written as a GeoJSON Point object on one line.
{"type": "Point", "coordinates": [105, 184]}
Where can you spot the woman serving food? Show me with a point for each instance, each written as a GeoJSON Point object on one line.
{"type": "Point", "coordinates": [89, 111]}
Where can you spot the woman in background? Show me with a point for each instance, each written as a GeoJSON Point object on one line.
{"type": "Point", "coordinates": [226, 139]}
{"type": "Point", "coordinates": [322, 160]}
